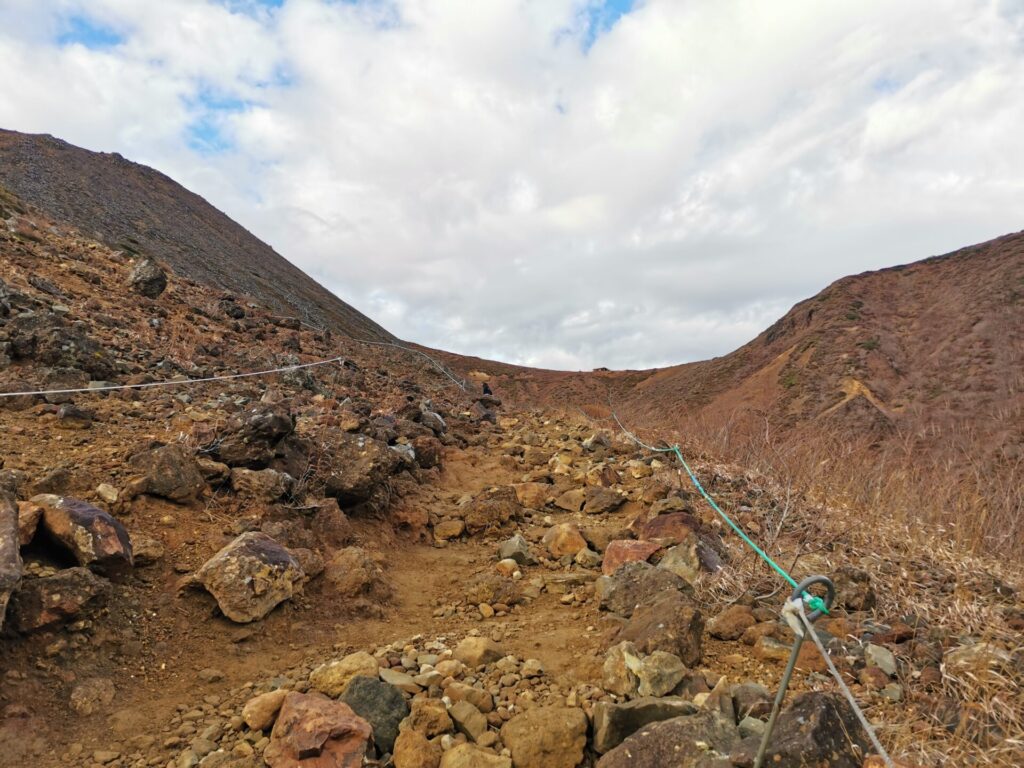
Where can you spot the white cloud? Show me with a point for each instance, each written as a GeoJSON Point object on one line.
{"type": "Point", "coordinates": [472, 177]}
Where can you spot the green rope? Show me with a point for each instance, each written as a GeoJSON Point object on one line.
{"type": "Point", "coordinates": [815, 602]}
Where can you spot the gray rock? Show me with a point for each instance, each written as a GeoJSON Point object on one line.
{"type": "Point", "coordinates": [148, 279]}
{"type": "Point", "coordinates": [854, 591]}
{"type": "Point", "coordinates": [881, 657]}
{"type": "Point", "coordinates": [816, 729]}
{"type": "Point", "coordinates": [682, 742]}
{"type": "Point", "coordinates": [634, 584]}
{"type": "Point", "coordinates": [518, 549]}
{"type": "Point", "coordinates": [751, 727]}
{"type": "Point", "coordinates": [613, 723]}
{"type": "Point", "coordinates": [671, 623]}
{"type": "Point", "coordinates": [381, 705]}
{"type": "Point", "coordinates": [170, 472]}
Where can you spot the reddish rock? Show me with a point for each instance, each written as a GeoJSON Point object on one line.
{"type": "Point", "coordinates": [623, 551]}
{"type": "Point", "coordinates": [312, 731]}
{"type": "Point", "coordinates": [53, 600]}
{"type": "Point", "coordinates": [429, 451]}
{"type": "Point", "coordinates": [873, 678]}
{"type": "Point", "coordinates": [92, 536]}
{"type": "Point", "coordinates": [668, 530]}
{"type": "Point", "coordinates": [170, 472]}
{"type": "Point", "coordinates": [731, 623]}
{"type": "Point", "coordinates": [492, 509]}
{"type": "Point", "coordinates": [29, 515]}
{"type": "Point", "coordinates": [601, 500]}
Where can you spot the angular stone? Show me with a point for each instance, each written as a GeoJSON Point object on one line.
{"type": "Point", "coordinates": [468, 720]}
{"type": "Point", "coordinates": [333, 677]}
{"type": "Point", "coordinates": [751, 700]}
{"type": "Point", "coordinates": [29, 515]}
{"type": "Point", "coordinates": [690, 741]}
{"type": "Point", "coordinates": [854, 591]}
{"type": "Point", "coordinates": [53, 600]}
{"type": "Point", "coordinates": [250, 577]}
{"type": "Point", "coordinates": [476, 651]}
{"type": "Point", "coordinates": [250, 438]}
{"type": "Point", "coordinates": [147, 278]}
{"type": "Point", "coordinates": [357, 465]}
{"type": "Point", "coordinates": [267, 485]}
{"type": "Point", "coordinates": [314, 732]}
{"type": "Point", "coordinates": [380, 704]}
{"type": "Point", "coordinates": [659, 673]}
{"type": "Point", "coordinates": [492, 510]}
{"type": "Point", "coordinates": [260, 712]}
{"type": "Point", "coordinates": [571, 501]}
{"type": "Point", "coordinates": [881, 657]}
{"type": "Point", "coordinates": [817, 729]}
{"type": "Point", "coordinates": [10, 552]}
{"type": "Point", "coordinates": [618, 553]}
{"type": "Point", "coordinates": [602, 500]}
{"type": "Point", "coordinates": [446, 530]}
{"type": "Point", "coordinates": [533, 495]}
{"type": "Point", "coordinates": [613, 723]}
{"type": "Point", "coordinates": [92, 695]}
{"type": "Point", "coordinates": [478, 697]}
{"type": "Point", "coordinates": [546, 737]}
{"type": "Point", "coordinates": [683, 560]}
{"type": "Point", "coordinates": [429, 451]}
{"type": "Point", "coordinates": [92, 536]}
{"type": "Point", "coordinates": [472, 756]}
{"type": "Point", "coordinates": [635, 584]}
{"type": "Point", "coordinates": [671, 623]}
{"type": "Point", "coordinates": [731, 623]}
{"type": "Point", "coordinates": [564, 539]}
{"type": "Point", "coordinates": [170, 472]}
{"type": "Point", "coordinates": [414, 750]}
{"type": "Point", "coordinates": [429, 717]}
{"type": "Point", "coordinates": [517, 549]}
{"type": "Point", "coordinates": [668, 530]}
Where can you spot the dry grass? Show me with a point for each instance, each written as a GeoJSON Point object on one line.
{"type": "Point", "coordinates": [939, 556]}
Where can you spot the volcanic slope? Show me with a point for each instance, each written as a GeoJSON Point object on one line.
{"type": "Point", "coordinates": [362, 552]}
{"type": "Point", "coordinates": [139, 210]}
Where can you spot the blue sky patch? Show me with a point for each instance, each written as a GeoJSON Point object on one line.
{"type": "Point", "coordinates": [206, 133]}
{"type": "Point", "coordinates": [601, 17]}
{"type": "Point", "coordinates": [82, 30]}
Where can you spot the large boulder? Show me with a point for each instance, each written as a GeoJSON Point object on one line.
{"type": "Point", "coordinates": [250, 577]}
{"type": "Point", "coordinates": [10, 552]}
{"type": "Point", "coordinates": [93, 537]}
{"type": "Point", "coordinates": [614, 722]}
{"type": "Point", "coordinates": [635, 584]}
{"type": "Point", "coordinates": [147, 278]}
{"type": "Point", "coordinates": [48, 339]}
{"type": "Point", "coordinates": [380, 704]}
{"type": "Point", "coordinates": [250, 439]}
{"type": "Point", "coordinates": [356, 465]}
{"type": "Point", "coordinates": [170, 472]}
{"type": "Point", "coordinates": [313, 731]}
{"type": "Point", "coordinates": [266, 485]}
{"type": "Point", "coordinates": [53, 600]}
{"type": "Point", "coordinates": [818, 729]}
{"type": "Point", "coordinates": [671, 623]}
{"type": "Point", "coordinates": [546, 737]}
{"type": "Point", "coordinates": [691, 741]}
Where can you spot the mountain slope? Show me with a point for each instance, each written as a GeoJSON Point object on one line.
{"type": "Point", "coordinates": [140, 210]}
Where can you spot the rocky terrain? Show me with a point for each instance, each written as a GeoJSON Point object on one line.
{"type": "Point", "coordinates": [360, 563]}
{"type": "Point", "coordinates": [914, 371]}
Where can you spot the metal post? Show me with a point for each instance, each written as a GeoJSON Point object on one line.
{"type": "Point", "coordinates": [791, 664]}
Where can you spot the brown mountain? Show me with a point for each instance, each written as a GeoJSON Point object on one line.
{"type": "Point", "coordinates": [139, 210]}
{"type": "Point", "coordinates": [917, 370]}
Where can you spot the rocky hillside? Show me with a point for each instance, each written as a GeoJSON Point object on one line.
{"type": "Point", "coordinates": [915, 370]}
{"type": "Point", "coordinates": [356, 563]}
{"type": "Point", "coordinates": [141, 211]}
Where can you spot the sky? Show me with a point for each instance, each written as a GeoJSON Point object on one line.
{"type": "Point", "coordinates": [556, 183]}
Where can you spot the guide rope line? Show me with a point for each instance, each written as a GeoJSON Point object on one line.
{"type": "Point", "coordinates": [842, 687]}
{"type": "Point", "coordinates": [814, 601]}
{"type": "Point", "coordinates": [226, 377]}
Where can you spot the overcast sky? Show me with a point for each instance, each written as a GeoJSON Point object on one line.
{"type": "Point", "coordinates": [557, 183]}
